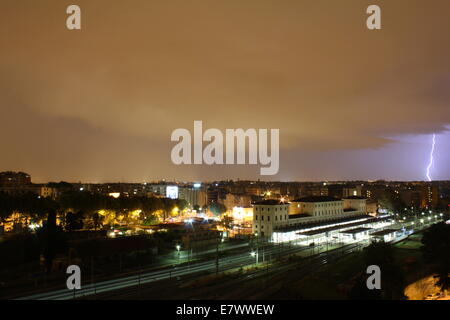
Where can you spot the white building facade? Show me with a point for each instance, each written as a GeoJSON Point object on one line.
{"type": "Point", "coordinates": [272, 215]}
{"type": "Point", "coordinates": [267, 215]}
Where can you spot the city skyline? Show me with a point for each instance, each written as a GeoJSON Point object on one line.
{"type": "Point", "coordinates": [99, 104]}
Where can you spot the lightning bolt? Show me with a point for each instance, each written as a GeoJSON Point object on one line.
{"type": "Point", "coordinates": [430, 164]}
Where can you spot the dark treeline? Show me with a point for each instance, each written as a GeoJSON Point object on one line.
{"type": "Point", "coordinates": [28, 204]}
{"type": "Point", "coordinates": [436, 250]}
{"type": "Point", "coordinates": [73, 210]}
{"type": "Point", "coordinates": [88, 203]}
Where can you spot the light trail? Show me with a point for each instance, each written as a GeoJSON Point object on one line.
{"type": "Point", "coordinates": [430, 164]}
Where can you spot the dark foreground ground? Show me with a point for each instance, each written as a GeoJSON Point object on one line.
{"type": "Point", "coordinates": [324, 276]}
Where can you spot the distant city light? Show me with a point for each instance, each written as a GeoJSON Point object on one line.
{"type": "Point", "coordinates": [172, 192]}
{"type": "Point", "coordinates": [33, 226]}
{"type": "Point", "coordinates": [114, 194]}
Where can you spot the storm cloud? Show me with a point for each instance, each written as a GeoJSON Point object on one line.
{"type": "Point", "coordinates": [100, 104]}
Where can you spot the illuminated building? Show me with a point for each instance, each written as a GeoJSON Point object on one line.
{"type": "Point", "coordinates": [316, 206]}
{"type": "Point", "coordinates": [242, 215]}
{"type": "Point", "coordinates": [232, 200]}
{"type": "Point", "coordinates": [194, 196]}
{"type": "Point", "coordinates": [47, 192]}
{"type": "Point", "coordinates": [272, 215]}
{"type": "Point", "coordinates": [172, 192]}
{"type": "Point", "coordinates": [15, 182]}
{"type": "Point", "coordinates": [267, 215]}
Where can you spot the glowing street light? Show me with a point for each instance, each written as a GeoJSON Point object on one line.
{"type": "Point", "coordinates": [255, 254]}
{"type": "Point", "coordinates": [178, 250]}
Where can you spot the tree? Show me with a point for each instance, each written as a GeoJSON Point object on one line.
{"type": "Point", "coordinates": [96, 220]}
{"type": "Point", "coordinates": [167, 206]}
{"type": "Point", "coordinates": [150, 219]}
{"type": "Point", "coordinates": [74, 221]}
{"type": "Point", "coordinates": [52, 240]}
{"type": "Point", "coordinates": [28, 204]}
{"type": "Point", "coordinates": [5, 208]}
{"type": "Point", "coordinates": [436, 250]}
{"type": "Point", "coordinates": [391, 201]}
{"type": "Point", "coordinates": [181, 204]}
{"type": "Point", "coordinates": [392, 278]}
{"type": "Point", "coordinates": [217, 208]}
{"type": "Point", "coordinates": [227, 222]}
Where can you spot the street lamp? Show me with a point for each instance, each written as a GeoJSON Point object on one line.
{"type": "Point", "coordinates": [255, 254]}
{"type": "Point", "coordinates": [178, 249]}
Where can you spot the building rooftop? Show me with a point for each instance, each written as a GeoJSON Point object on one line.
{"type": "Point", "coordinates": [384, 232]}
{"type": "Point", "coordinates": [356, 230]}
{"type": "Point", "coordinates": [270, 202]}
{"type": "Point", "coordinates": [333, 228]}
{"type": "Point", "coordinates": [330, 222]}
{"type": "Point", "coordinates": [316, 199]}
{"type": "Point", "coordinates": [355, 197]}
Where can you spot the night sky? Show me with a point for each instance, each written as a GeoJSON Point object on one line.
{"type": "Point", "coordinates": [99, 105]}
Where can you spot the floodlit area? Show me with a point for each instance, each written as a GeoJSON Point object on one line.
{"type": "Point", "coordinates": [385, 229]}
{"type": "Point", "coordinates": [331, 232]}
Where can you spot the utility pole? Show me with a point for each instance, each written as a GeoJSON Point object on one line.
{"type": "Point", "coordinates": [217, 252]}
{"type": "Point", "coordinates": [257, 253]}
